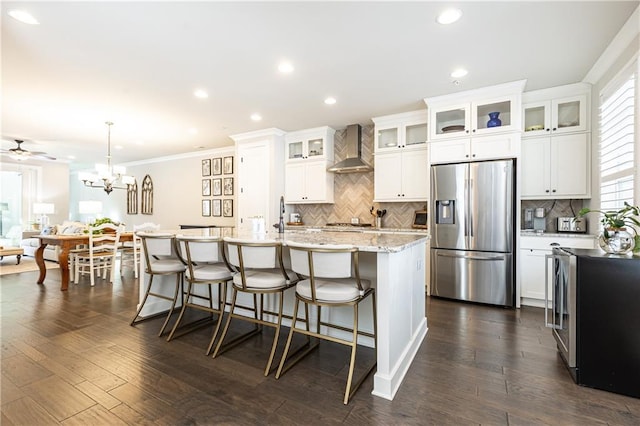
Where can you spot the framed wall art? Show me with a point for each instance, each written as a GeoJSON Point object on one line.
{"type": "Point", "coordinates": [228, 186]}
{"type": "Point", "coordinates": [217, 207]}
{"type": "Point", "coordinates": [217, 166]}
{"type": "Point", "coordinates": [227, 166]}
{"type": "Point", "coordinates": [206, 187]}
{"type": "Point", "coordinates": [217, 186]}
{"type": "Point", "coordinates": [227, 208]}
{"type": "Point", "coordinates": [206, 167]}
{"type": "Point", "coordinates": [206, 207]}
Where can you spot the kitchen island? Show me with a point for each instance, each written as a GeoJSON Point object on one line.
{"type": "Point", "coordinates": [395, 263]}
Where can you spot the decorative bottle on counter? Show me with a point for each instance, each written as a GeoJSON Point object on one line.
{"type": "Point", "coordinates": [494, 121]}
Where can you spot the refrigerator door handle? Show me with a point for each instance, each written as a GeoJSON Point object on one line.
{"type": "Point", "coordinates": [466, 207]}
{"type": "Point", "coordinates": [469, 192]}
{"type": "Point", "coordinates": [462, 256]}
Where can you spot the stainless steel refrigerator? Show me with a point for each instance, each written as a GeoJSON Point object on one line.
{"type": "Point", "coordinates": [472, 232]}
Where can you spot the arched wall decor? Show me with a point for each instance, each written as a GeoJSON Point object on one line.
{"type": "Point", "coordinates": [147, 195]}
{"type": "Point", "coordinates": [132, 198]}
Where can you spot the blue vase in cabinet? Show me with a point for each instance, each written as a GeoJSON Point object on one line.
{"type": "Point", "coordinates": [494, 121]}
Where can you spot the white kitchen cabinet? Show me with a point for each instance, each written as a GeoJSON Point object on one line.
{"type": "Point", "coordinates": [557, 110]}
{"type": "Point", "coordinates": [308, 182]}
{"type": "Point", "coordinates": [505, 145]}
{"type": "Point", "coordinates": [466, 114]}
{"type": "Point", "coordinates": [533, 250]}
{"type": "Point", "coordinates": [308, 155]}
{"type": "Point", "coordinates": [556, 167]}
{"type": "Point", "coordinates": [401, 176]}
{"type": "Point", "coordinates": [260, 176]}
{"type": "Point", "coordinates": [400, 131]}
{"type": "Point", "coordinates": [310, 144]}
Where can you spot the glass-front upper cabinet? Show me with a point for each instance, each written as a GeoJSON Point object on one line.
{"type": "Point", "coordinates": [556, 116]}
{"type": "Point", "coordinates": [310, 144]}
{"type": "Point", "coordinates": [562, 109]}
{"type": "Point", "coordinates": [489, 110]}
{"type": "Point", "coordinates": [405, 130]}
{"type": "Point", "coordinates": [454, 120]}
{"type": "Point", "coordinates": [494, 114]}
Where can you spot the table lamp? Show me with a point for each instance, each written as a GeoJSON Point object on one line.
{"type": "Point", "coordinates": [43, 209]}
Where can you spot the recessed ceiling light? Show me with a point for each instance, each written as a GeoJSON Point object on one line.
{"type": "Point", "coordinates": [118, 147]}
{"type": "Point", "coordinates": [285, 67]}
{"type": "Point", "coordinates": [256, 117]}
{"type": "Point", "coordinates": [193, 131]}
{"type": "Point", "coordinates": [449, 16]}
{"type": "Point", "coordinates": [330, 100]}
{"type": "Point", "coordinates": [24, 17]}
{"type": "Point", "coordinates": [460, 72]}
{"type": "Point", "coordinates": [139, 142]}
{"type": "Point", "coordinates": [71, 157]}
{"type": "Point", "coordinates": [200, 93]}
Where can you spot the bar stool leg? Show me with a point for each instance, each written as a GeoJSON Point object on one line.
{"type": "Point", "coordinates": [180, 289]}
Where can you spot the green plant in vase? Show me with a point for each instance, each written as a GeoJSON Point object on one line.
{"type": "Point", "coordinates": [101, 221]}
{"type": "Point", "coordinates": [619, 228]}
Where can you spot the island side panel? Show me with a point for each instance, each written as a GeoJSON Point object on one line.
{"type": "Point", "coordinates": [402, 324]}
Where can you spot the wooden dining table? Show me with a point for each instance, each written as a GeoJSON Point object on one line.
{"type": "Point", "coordinates": [66, 243]}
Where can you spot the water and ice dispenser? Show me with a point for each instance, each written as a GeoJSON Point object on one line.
{"type": "Point", "coordinates": [445, 212]}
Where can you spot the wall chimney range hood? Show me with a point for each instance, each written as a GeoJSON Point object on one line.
{"type": "Point", "coordinates": [353, 163]}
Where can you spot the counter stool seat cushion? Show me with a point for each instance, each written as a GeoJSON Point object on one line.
{"type": "Point", "coordinates": [264, 278]}
{"type": "Point", "coordinates": [335, 290]}
{"type": "Point", "coordinates": [212, 272]}
{"type": "Point", "coordinates": [162, 266]}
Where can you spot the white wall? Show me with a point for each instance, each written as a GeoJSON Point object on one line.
{"type": "Point", "coordinates": [177, 196]}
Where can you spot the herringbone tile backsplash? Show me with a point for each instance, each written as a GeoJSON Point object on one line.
{"type": "Point", "coordinates": [353, 194]}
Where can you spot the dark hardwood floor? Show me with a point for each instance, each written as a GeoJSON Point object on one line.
{"type": "Point", "coordinates": [71, 358]}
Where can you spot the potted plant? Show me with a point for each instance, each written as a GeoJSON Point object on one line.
{"type": "Point", "coordinates": [619, 228]}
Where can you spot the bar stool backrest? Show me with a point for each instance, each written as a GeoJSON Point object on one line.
{"type": "Point", "coordinates": [200, 250]}
{"type": "Point", "coordinates": [251, 254]}
{"type": "Point", "coordinates": [158, 246]}
{"type": "Point", "coordinates": [322, 261]}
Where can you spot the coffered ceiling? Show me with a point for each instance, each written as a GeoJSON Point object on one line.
{"type": "Point", "coordinates": [138, 64]}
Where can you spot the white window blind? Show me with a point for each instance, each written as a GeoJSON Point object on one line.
{"type": "Point", "coordinates": [617, 128]}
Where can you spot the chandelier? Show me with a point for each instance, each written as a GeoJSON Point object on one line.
{"type": "Point", "coordinates": [106, 176]}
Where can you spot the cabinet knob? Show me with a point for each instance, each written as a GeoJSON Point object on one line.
{"type": "Point", "coordinates": [467, 156]}
{"type": "Point", "coordinates": [554, 129]}
{"type": "Point", "coordinates": [398, 195]}
{"type": "Point", "coordinates": [548, 129]}
{"type": "Point", "coordinates": [553, 190]}
{"type": "Point", "coordinates": [466, 131]}
{"type": "Point", "coordinates": [474, 130]}
{"type": "Point", "coordinates": [473, 155]}
{"type": "Point", "coordinates": [547, 191]}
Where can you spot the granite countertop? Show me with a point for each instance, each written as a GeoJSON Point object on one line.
{"type": "Point", "coordinates": [556, 234]}
{"type": "Point", "coordinates": [349, 228]}
{"type": "Point", "coordinates": [370, 241]}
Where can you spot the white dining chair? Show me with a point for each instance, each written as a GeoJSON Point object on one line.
{"type": "Point", "coordinates": [101, 255]}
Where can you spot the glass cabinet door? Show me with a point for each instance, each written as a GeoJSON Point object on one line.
{"type": "Point", "coordinates": [415, 134]}
{"type": "Point", "coordinates": [491, 114]}
{"type": "Point", "coordinates": [295, 150]}
{"type": "Point", "coordinates": [315, 148]}
{"type": "Point", "coordinates": [537, 118]}
{"type": "Point", "coordinates": [387, 138]}
{"type": "Point", "coordinates": [569, 114]}
{"type": "Point", "coordinates": [453, 121]}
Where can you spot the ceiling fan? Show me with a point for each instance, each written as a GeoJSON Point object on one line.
{"type": "Point", "coordinates": [20, 154]}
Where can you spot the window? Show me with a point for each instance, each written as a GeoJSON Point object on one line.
{"type": "Point", "coordinates": [617, 139]}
